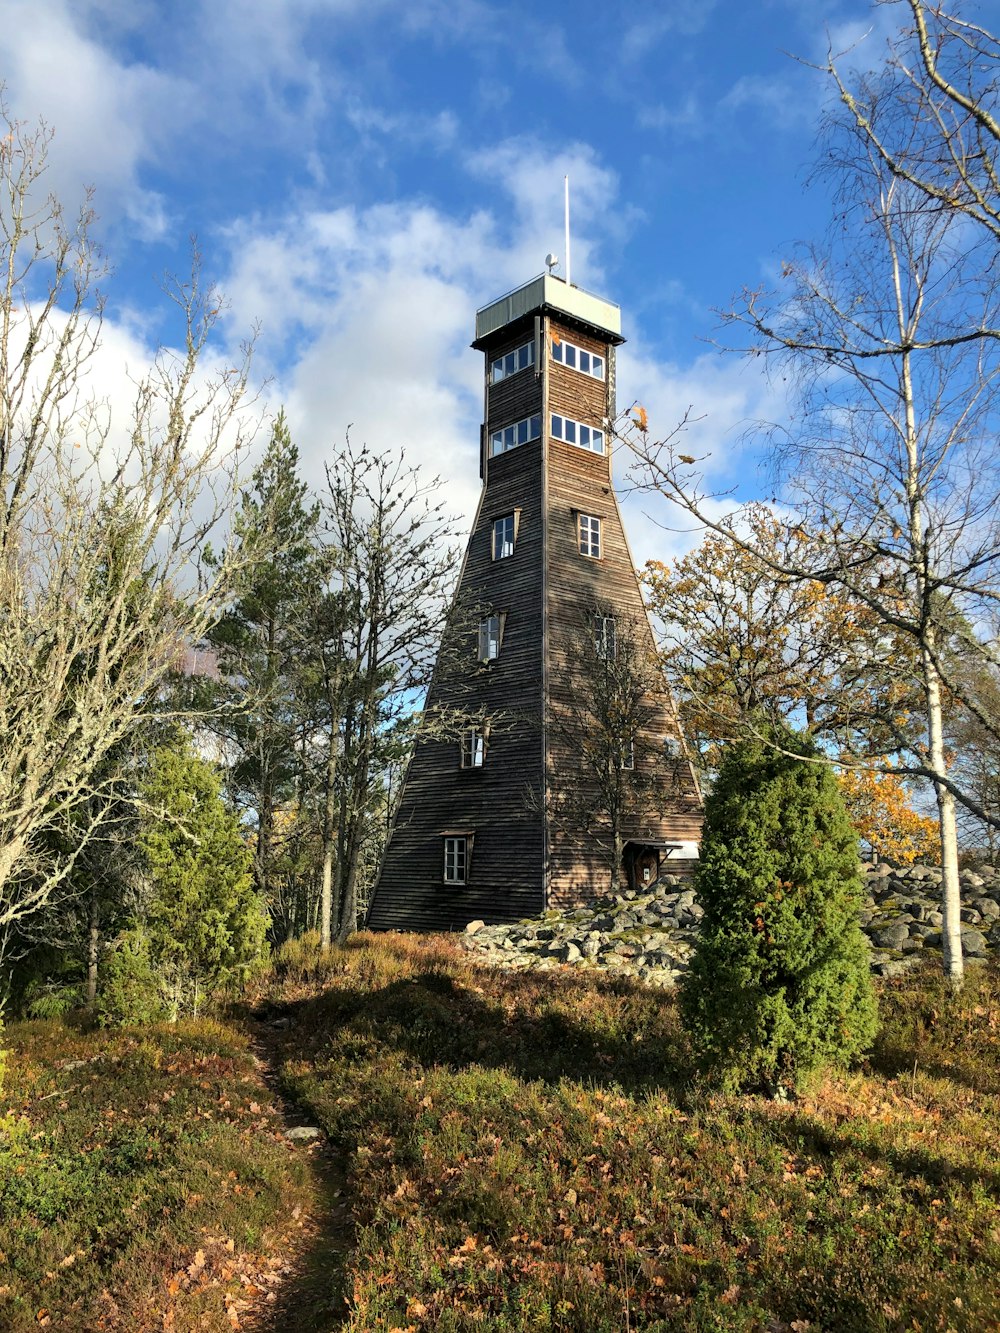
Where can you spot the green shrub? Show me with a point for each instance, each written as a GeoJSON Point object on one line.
{"type": "Point", "coordinates": [130, 991]}
{"type": "Point", "coordinates": [51, 999]}
{"type": "Point", "coordinates": [779, 983]}
{"type": "Point", "coordinates": [206, 922]}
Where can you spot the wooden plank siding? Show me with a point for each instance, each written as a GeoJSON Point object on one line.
{"type": "Point", "coordinates": [546, 591]}
{"type": "Point", "coordinates": [577, 586]}
{"type": "Point", "coordinates": [501, 802]}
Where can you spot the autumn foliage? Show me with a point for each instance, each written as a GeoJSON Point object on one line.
{"type": "Point", "coordinates": [888, 826]}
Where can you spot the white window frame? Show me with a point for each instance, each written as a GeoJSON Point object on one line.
{"type": "Point", "coordinates": [516, 434]}
{"type": "Point", "coordinates": [588, 536]}
{"type": "Point", "coordinates": [473, 748]}
{"type": "Point", "coordinates": [501, 544]}
{"type": "Point", "coordinates": [577, 433]}
{"type": "Point", "coordinates": [512, 363]}
{"type": "Point", "coordinates": [456, 859]}
{"type": "Point", "coordinates": [605, 637]}
{"type": "Point", "coordinates": [628, 755]}
{"type": "Point", "coordinates": [491, 636]}
{"type": "Point", "coordinates": [575, 357]}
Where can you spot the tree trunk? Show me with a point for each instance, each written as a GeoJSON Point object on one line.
{"type": "Point", "coordinates": [93, 945]}
{"type": "Point", "coordinates": [326, 930]}
{"type": "Point", "coordinates": [951, 902]}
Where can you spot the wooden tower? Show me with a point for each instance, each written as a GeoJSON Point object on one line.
{"type": "Point", "coordinates": [509, 815]}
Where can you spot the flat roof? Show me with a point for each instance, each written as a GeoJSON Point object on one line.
{"type": "Point", "coordinates": [547, 292]}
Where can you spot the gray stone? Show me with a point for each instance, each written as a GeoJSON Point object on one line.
{"type": "Point", "coordinates": [974, 942]}
{"type": "Point", "coordinates": [303, 1133]}
{"type": "Point", "coordinates": [970, 916]}
{"type": "Point", "coordinates": [988, 908]}
{"type": "Point", "coordinates": [474, 927]}
{"type": "Point", "coordinates": [892, 936]}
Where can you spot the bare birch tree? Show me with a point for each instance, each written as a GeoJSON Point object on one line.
{"type": "Point", "coordinates": [389, 577]}
{"type": "Point", "coordinates": [889, 461]}
{"type": "Point", "coordinates": [102, 524]}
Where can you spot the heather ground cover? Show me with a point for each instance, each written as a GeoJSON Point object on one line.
{"type": "Point", "coordinates": [520, 1151]}
{"type": "Point", "coordinates": [529, 1152]}
{"type": "Point", "coordinates": [145, 1183]}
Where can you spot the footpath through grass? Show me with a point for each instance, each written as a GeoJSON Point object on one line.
{"type": "Point", "coordinates": [144, 1181]}
{"type": "Point", "coordinates": [527, 1153]}
{"type": "Point", "coordinates": [524, 1152]}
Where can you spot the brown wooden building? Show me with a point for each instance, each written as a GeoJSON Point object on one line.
{"type": "Point", "coordinates": [513, 813]}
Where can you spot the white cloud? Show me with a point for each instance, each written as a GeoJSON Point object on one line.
{"type": "Point", "coordinates": [110, 119]}
{"type": "Point", "coordinates": [723, 398]}
{"type": "Point", "coordinates": [643, 35]}
{"type": "Point", "coordinates": [377, 305]}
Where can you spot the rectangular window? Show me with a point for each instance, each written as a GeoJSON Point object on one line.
{"type": "Point", "coordinates": [575, 432]}
{"type": "Point", "coordinates": [504, 536]}
{"type": "Point", "coordinates": [455, 860]}
{"type": "Point", "coordinates": [490, 634]}
{"type": "Point", "coordinates": [473, 748]}
{"type": "Point", "coordinates": [520, 359]}
{"type": "Point", "coordinates": [628, 754]}
{"type": "Point", "coordinates": [568, 354]}
{"type": "Point", "coordinates": [604, 637]}
{"type": "Point", "coordinates": [589, 532]}
{"type": "Point", "coordinates": [520, 432]}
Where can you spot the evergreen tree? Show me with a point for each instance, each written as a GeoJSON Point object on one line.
{"type": "Point", "coordinates": [779, 983]}
{"type": "Point", "coordinates": [204, 921]}
{"type": "Point", "coordinates": [259, 644]}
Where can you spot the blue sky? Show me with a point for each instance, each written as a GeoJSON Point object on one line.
{"type": "Point", "coordinates": [362, 174]}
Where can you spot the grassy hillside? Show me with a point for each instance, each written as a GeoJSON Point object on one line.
{"type": "Point", "coordinates": [524, 1152]}
{"type": "Point", "coordinates": [527, 1154]}
{"type": "Point", "coordinates": [144, 1180]}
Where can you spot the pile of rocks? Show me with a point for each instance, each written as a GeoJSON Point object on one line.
{"type": "Point", "coordinates": [651, 935]}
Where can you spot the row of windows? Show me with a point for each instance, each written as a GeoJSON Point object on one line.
{"type": "Point", "coordinates": [565, 353]}
{"type": "Point", "coordinates": [575, 432]}
{"type": "Point", "coordinates": [521, 432]}
{"type": "Point", "coordinates": [568, 354]}
{"type": "Point", "coordinates": [562, 428]}
{"type": "Point", "coordinates": [520, 359]}
{"type": "Point", "coordinates": [504, 538]}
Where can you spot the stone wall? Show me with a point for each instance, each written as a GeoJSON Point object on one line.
{"type": "Point", "coordinates": [651, 935]}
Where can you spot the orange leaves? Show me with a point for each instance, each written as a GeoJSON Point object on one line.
{"type": "Point", "coordinates": [640, 418]}
{"type": "Point", "coordinates": [880, 809]}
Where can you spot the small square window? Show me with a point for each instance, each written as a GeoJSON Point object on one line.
{"type": "Point", "coordinates": [589, 534]}
{"type": "Point", "coordinates": [456, 860]}
{"type": "Point", "coordinates": [604, 637]}
{"type": "Point", "coordinates": [473, 749]}
{"type": "Point", "coordinates": [490, 633]}
{"type": "Point", "coordinates": [504, 536]}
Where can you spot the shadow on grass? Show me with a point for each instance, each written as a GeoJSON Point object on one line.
{"type": "Point", "coordinates": [538, 1027]}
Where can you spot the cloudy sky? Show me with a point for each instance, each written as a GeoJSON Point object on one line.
{"type": "Point", "coordinates": [361, 175]}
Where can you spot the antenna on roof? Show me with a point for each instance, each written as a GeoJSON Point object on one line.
{"type": "Point", "coordinates": [551, 261]}
{"type": "Point", "coordinates": [566, 212]}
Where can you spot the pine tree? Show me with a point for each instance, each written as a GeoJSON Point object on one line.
{"type": "Point", "coordinates": [205, 922]}
{"type": "Point", "coordinates": [259, 643]}
{"type": "Point", "coordinates": [779, 983]}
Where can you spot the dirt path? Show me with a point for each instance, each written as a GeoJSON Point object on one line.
{"type": "Point", "coordinates": [310, 1299]}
